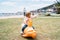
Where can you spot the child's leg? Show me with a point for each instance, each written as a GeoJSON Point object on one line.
{"type": "Point", "coordinates": [24, 27]}
{"type": "Point", "coordinates": [33, 27]}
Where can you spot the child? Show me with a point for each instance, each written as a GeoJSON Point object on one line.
{"type": "Point", "coordinates": [26, 19]}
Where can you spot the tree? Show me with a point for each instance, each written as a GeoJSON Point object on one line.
{"type": "Point", "coordinates": [58, 6]}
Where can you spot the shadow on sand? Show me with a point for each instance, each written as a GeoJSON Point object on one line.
{"type": "Point", "coordinates": [29, 38]}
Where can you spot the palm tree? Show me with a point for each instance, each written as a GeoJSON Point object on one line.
{"type": "Point", "coordinates": [58, 6]}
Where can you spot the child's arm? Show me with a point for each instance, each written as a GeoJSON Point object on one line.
{"type": "Point", "coordinates": [25, 20]}
{"type": "Point", "coordinates": [34, 16]}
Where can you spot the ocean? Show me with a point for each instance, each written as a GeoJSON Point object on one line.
{"type": "Point", "coordinates": [10, 14]}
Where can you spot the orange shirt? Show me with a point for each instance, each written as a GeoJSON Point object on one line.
{"type": "Point", "coordinates": [29, 22]}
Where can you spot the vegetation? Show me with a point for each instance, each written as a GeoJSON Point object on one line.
{"type": "Point", "coordinates": [58, 6]}
{"type": "Point", "coordinates": [48, 14]}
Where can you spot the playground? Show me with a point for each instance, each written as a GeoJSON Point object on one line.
{"type": "Point", "coordinates": [46, 28]}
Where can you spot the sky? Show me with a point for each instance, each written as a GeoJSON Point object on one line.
{"type": "Point", "coordinates": [13, 6]}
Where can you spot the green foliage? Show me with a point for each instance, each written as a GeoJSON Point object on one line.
{"type": "Point", "coordinates": [58, 6]}
{"type": "Point", "coordinates": [47, 14]}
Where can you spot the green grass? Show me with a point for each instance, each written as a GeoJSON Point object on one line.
{"type": "Point", "coordinates": [46, 28]}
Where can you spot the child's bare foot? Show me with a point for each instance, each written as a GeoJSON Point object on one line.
{"type": "Point", "coordinates": [21, 33]}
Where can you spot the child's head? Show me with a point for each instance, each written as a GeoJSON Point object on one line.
{"type": "Point", "coordinates": [28, 14]}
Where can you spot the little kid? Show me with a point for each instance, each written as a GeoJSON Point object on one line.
{"type": "Point", "coordinates": [26, 19]}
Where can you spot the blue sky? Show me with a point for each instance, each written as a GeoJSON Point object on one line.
{"type": "Point", "coordinates": [12, 6]}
